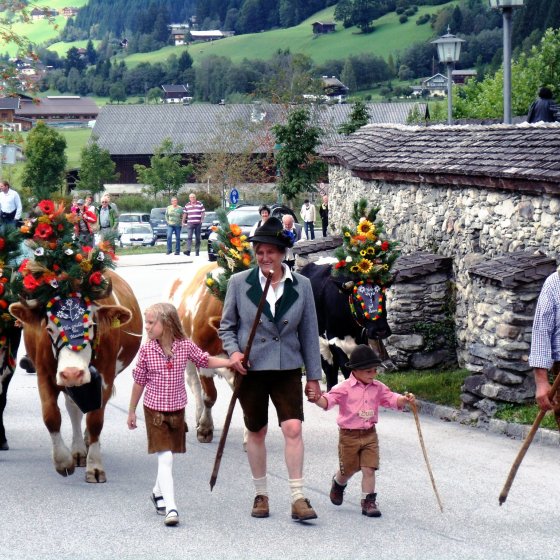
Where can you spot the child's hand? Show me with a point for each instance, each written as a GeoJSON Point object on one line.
{"type": "Point", "coordinates": [409, 397]}
{"type": "Point", "coordinates": [313, 391]}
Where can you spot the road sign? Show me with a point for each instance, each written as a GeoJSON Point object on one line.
{"type": "Point", "coordinates": [234, 196]}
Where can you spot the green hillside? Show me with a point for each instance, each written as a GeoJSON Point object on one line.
{"type": "Point", "coordinates": [389, 36]}
{"type": "Point", "coordinates": [62, 48]}
{"type": "Point", "coordinates": [39, 31]}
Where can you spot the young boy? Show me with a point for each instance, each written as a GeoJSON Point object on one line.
{"type": "Point", "coordinates": [358, 399]}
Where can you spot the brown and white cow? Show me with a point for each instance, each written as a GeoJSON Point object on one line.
{"type": "Point", "coordinates": [114, 330]}
{"type": "Point", "coordinates": [200, 313]}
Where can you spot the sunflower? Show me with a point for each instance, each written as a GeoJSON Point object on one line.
{"type": "Point", "coordinates": [365, 227]}
{"type": "Point", "coordinates": [364, 266]}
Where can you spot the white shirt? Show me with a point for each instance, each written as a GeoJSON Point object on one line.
{"type": "Point", "coordinates": [308, 213]}
{"type": "Point", "coordinates": [10, 201]}
{"type": "Point", "coordinates": [275, 292]}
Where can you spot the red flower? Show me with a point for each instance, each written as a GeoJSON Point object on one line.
{"type": "Point", "coordinates": [86, 249]}
{"type": "Point", "coordinates": [23, 266]}
{"type": "Point", "coordinates": [1, 289]}
{"type": "Point", "coordinates": [95, 279]}
{"type": "Point", "coordinates": [56, 267]}
{"type": "Point", "coordinates": [46, 206]}
{"type": "Point", "coordinates": [2, 243]}
{"type": "Point", "coordinates": [43, 231]}
{"type": "Point", "coordinates": [340, 264]}
{"type": "Point", "coordinates": [30, 283]}
{"type": "Point", "coordinates": [385, 246]}
{"type": "Point", "coordinates": [3, 304]}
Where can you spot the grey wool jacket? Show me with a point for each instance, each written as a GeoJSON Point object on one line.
{"type": "Point", "coordinates": [288, 340]}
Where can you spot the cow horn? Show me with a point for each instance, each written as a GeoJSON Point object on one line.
{"type": "Point", "coordinates": [348, 285]}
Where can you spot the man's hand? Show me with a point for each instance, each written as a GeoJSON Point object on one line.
{"type": "Point", "coordinates": [236, 360]}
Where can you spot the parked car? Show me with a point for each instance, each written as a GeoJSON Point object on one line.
{"type": "Point", "coordinates": [210, 218]}
{"type": "Point", "coordinates": [136, 233]}
{"type": "Point", "coordinates": [132, 217]}
{"type": "Point", "coordinates": [246, 217]}
{"type": "Point", "coordinates": [157, 221]}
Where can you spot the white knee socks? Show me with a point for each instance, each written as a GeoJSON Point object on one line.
{"type": "Point", "coordinates": [165, 479]}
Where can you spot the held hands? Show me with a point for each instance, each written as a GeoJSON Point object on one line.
{"type": "Point", "coordinates": [313, 391]}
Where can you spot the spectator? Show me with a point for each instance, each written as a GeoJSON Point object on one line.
{"type": "Point", "coordinates": [543, 109]}
{"type": "Point", "coordinates": [295, 232]}
{"type": "Point", "coordinates": [193, 215]}
{"type": "Point", "coordinates": [106, 218]}
{"type": "Point", "coordinates": [84, 225]}
{"type": "Point", "coordinates": [10, 205]}
{"type": "Point", "coordinates": [264, 213]}
{"type": "Point", "coordinates": [308, 217]}
{"type": "Point", "coordinates": [324, 213]}
{"type": "Point", "coordinates": [173, 219]}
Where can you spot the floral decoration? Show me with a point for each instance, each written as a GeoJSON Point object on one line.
{"type": "Point", "coordinates": [234, 254]}
{"type": "Point", "coordinates": [57, 263]}
{"type": "Point", "coordinates": [366, 254]}
{"type": "Point", "coordinates": [9, 254]}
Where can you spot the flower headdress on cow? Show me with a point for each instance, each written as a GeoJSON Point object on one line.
{"type": "Point", "coordinates": [57, 264]}
{"type": "Point", "coordinates": [366, 252]}
{"type": "Point", "coordinates": [366, 258]}
{"type": "Point", "coordinates": [234, 254]}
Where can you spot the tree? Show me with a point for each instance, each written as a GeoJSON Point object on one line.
{"type": "Point", "coordinates": [166, 174]}
{"type": "Point", "coordinates": [358, 117]}
{"type": "Point", "coordinates": [117, 93]}
{"type": "Point", "coordinates": [43, 172]}
{"type": "Point", "coordinates": [97, 168]}
{"type": "Point", "coordinates": [297, 158]}
{"type": "Point", "coordinates": [360, 13]}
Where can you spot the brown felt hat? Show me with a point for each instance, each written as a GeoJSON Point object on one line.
{"type": "Point", "coordinates": [272, 232]}
{"type": "Point", "coordinates": [363, 357]}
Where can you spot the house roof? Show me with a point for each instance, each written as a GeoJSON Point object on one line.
{"type": "Point", "coordinates": [9, 103]}
{"type": "Point", "coordinates": [171, 88]}
{"type": "Point", "coordinates": [58, 105]}
{"type": "Point", "coordinates": [524, 156]}
{"type": "Point", "coordinates": [139, 129]}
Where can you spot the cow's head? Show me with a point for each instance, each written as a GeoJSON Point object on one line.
{"type": "Point", "coordinates": [74, 325]}
{"type": "Point", "coordinates": [367, 305]}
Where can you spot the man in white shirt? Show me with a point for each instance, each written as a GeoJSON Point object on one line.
{"type": "Point", "coordinates": [10, 204]}
{"type": "Point", "coordinates": [308, 217]}
{"type": "Point", "coordinates": [297, 232]}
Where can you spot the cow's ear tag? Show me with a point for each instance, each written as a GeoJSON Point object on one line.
{"type": "Point", "coordinates": [115, 323]}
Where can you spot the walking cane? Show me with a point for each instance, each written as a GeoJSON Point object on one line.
{"type": "Point", "coordinates": [422, 445]}
{"type": "Point", "coordinates": [237, 383]}
{"type": "Point", "coordinates": [517, 463]}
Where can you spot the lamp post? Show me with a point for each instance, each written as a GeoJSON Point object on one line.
{"type": "Point", "coordinates": [507, 10]}
{"type": "Point", "coordinates": [449, 49]}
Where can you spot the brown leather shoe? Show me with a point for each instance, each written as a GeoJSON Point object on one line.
{"type": "Point", "coordinates": [302, 510]}
{"type": "Point", "coordinates": [369, 506]}
{"type": "Point", "coordinates": [260, 506]}
{"type": "Point", "coordinates": [337, 492]}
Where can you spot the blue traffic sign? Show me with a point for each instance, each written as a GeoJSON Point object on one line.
{"type": "Point", "coordinates": [234, 196]}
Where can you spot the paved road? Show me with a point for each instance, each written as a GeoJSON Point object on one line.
{"type": "Point", "coordinates": [47, 516]}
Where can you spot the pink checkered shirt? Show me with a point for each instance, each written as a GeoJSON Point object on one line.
{"type": "Point", "coordinates": [358, 404]}
{"type": "Point", "coordinates": [163, 378]}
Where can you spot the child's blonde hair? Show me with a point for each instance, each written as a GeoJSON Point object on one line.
{"type": "Point", "coordinates": [167, 314]}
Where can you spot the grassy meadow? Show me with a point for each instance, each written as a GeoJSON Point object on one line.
{"type": "Point", "coordinates": [389, 36]}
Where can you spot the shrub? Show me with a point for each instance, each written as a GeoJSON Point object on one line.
{"type": "Point", "coordinates": [403, 19]}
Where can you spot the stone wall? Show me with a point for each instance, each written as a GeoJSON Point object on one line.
{"type": "Point", "coordinates": [468, 224]}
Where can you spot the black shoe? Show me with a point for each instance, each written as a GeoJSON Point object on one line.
{"type": "Point", "coordinates": [337, 492]}
{"type": "Point", "coordinates": [160, 508]}
{"type": "Point", "coordinates": [188, 253]}
{"type": "Point", "coordinates": [197, 254]}
{"type": "Point", "coordinates": [168, 253]}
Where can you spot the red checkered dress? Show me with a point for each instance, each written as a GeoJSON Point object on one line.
{"type": "Point", "coordinates": [163, 378]}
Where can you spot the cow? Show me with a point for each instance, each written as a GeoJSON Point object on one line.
{"type": "Point", "coordinates": [340, 305]}
{"type": "Point", "coordinates": [9, 344]}
{"type": "Point", "coordinates": [112, 332]}
{"type": "Point", "coordinates": [200, 313]}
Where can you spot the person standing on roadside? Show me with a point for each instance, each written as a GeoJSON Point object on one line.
{"type": "Point", "coordinates": [193, 215]}
{"type": "Point", "coordinates": [544, 108]}
{"type": "Point", "coordinates": [106, 218]}
{"type": "Point", "coordinates": [84, 225]}
{"type": "Point", "coordinates": [324, 213]}
{"type": "Point", "coordinates": [10, 204]}
{"type": "Point", "coordinates": [545, 339]}
{"type": "Point", "coordinates": [174, 219]}
{"type": "Point", "coordinates": [308, 217]}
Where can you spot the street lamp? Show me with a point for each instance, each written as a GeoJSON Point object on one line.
{"type": "Point", "coordinates": [507, 8]}
{"type": "Point", "coordinates": [449, 49]}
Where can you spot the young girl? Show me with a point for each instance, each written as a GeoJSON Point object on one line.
{"type": "Point", "coordinates": [160, 369]}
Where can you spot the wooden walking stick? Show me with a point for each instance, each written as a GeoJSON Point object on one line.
{"type": "Point", "coordinates": [423, 446]}
{"type": "Point", "coordinates": [516, 464]}
{"type": "Point", "coordinates": [237, 383]}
